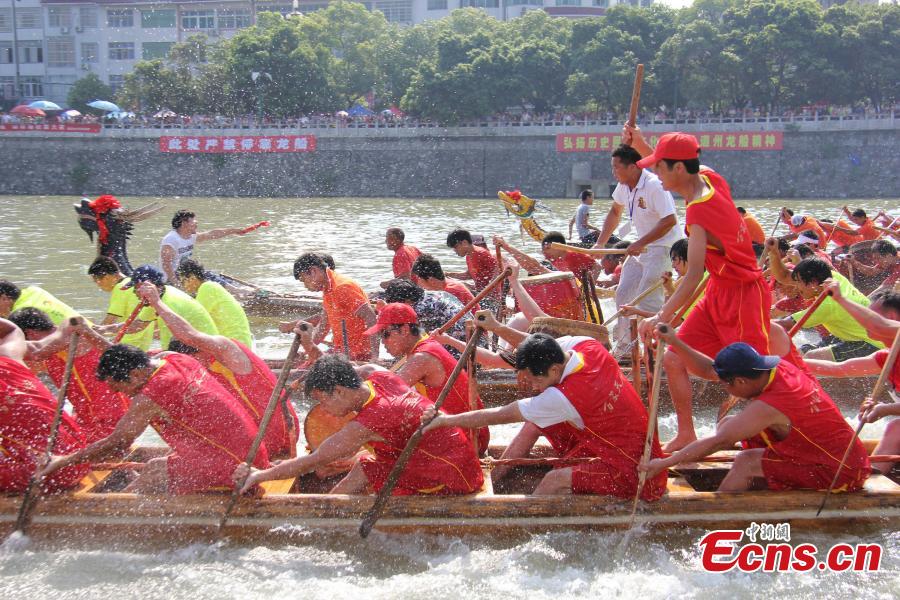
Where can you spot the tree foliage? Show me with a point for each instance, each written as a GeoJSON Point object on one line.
{"type": "Point", "coordinates": [88, 88]}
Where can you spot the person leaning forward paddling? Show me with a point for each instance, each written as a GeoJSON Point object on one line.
{"type": "Point", "coordinates": [792, 432]}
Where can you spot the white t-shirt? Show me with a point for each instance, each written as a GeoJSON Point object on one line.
{"type": "Point", "coordinates": [646, 204]}
{"type": "Point", "coordinates": [551, 406]}
{"type": "Point", "coordinates": [184, 248]}
{"type": "Point", "coordinates": [581, 217]}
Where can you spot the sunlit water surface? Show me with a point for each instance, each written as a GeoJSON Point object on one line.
{"type": "Point", "coordinates": [41, 244]}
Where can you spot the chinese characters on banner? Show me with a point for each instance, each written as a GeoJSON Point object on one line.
{"type": "Point", "coordinates": [219, 144]}
{"type": "Point", "coordinates": [71, 127]}
{"type": "Point", "coordinates": [709, 140]}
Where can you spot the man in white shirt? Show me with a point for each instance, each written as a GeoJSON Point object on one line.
{"type": "Point", "coordinates": [586, 232]}
{"type": "Point", "coordinates": [178, 244]}
{"type": "Point", "coordinates": [651, 212]}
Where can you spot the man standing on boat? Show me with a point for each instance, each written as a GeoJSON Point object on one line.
{"type": "Point", "coordinates": [803, 432]}
{"type": "Point", "coordinates": [178, 244]}
{"type": "Point", "coordinates": [651, 212]}
{"type": "Point", "coordinates": [388, 413]}
{"type": "Point", "coordinates": [587, 233]}
{"type": "Point", "coordinates": [737, 302]}
{"type": "Point", "coordinates": [208, 431]}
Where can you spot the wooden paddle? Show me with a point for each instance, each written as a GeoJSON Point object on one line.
{"type": "Point", "coordinates": [764, 255]}
{"type": "Point", "coordinates": [32, 492]}
{"type": "Point", "coordinates": [472, 388]}
{"type": "Point", "coordinates": [690, 301]}
{"type": "Point", "coordinates": [651, 423]}
{"type": "Point", "coordinates": [263, 424]}
{"type": "Point", "coordinates": [876, 392]}
{"type": "Point", "coordinates": [384, 494]}
{"type": "Point", "coordinates": [474, 301]}
{"type": "Point", "coordinates": [137, 310]}
{"type": "Point", "coordinates": [590, 251]}
{"type": "Point", "coordinates": [809, 311]}
{"type": "Point", "coordinates": [635, 95]}
{"type": "Point", "coordinates": [635, 355]}
{"type": "Point", "coordinates": [637, 299]}
{"type": "Point", "coordinates": [501, 307]}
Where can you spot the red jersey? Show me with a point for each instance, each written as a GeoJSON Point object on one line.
{"type": "Point", "coordinates": [253, 391]}
{"type": "Point", "coordinates": [615, 426]}
{"type": "Point", "coordinates": [867, 231]}
{"type": "Point", "coordinates": [341, 300]}
{"type": "Point", "coordinates": [809, 456]}
{"type": "Point", "coordinates": [97, 407]}
{"type": "Point", "coordinates": [457, 400]}
{"type": "Point", "coordinates": [27, 409]}
{"type": "Point", "coordinates": [577, 263]}
{"type": "Point", "coordinates": [716, 213]}
{"type": "Point", "coordinates": [482, 267]}
{"type": "Point", "coordinates": [444, 462]}
{"type": "Point", "coordinates": [208, 430]}
{"type": "Point", "coordinates": [459, 289]}
{"type": "Point", "coordinates": [404, 257]}
{"type": "Point", "coordinates": [881, 358]}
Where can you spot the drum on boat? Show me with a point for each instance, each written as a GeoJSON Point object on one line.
{"type": "Point", "coordinates": [557, 294]}
{"type": "Point", "coordinates": [318, 426]}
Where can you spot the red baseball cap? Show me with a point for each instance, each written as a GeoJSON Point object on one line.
{"type": "Point", "coordinates": [674, 146]}
{"type": "Point", "coordinates": [395, 313]}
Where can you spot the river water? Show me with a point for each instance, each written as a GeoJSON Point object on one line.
{"type": "Point", "coordinates": [41, 244]}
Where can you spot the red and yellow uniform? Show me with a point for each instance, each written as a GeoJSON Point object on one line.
{"type": "Point", "coordinates": [614, 426]}
{"type": "Point", "coordinates": [253, 391]}
{"type": "Point", "coordinates": [457, 400]}
{"type": "Point", "coordinates": [737, 302]}
{"type": "Point", "coordinates": [209, 432]}
{"type": "Point", "coordinates": [27, 410]}
{"type": "Point", "coordinates": [808, 457]}
{"type": "Point", "coordinates": [483, 268]}
{"type": "Point", "coordinates": [577, 263]}
{"type": "Point", "coordinates": [444, 462]}
{"type": "Point", "coordinates": [881, 358]}
{"type": "Point", "coordinates": [341, 299]}
{"type": "Point", "coordinates": [97, 407]}
{"type": "Point", "coordinates": [404, 257]}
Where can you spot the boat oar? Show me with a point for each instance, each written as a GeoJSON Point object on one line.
{"type": "Point", "coordinates": [651, 423]}
{"type": "Point", "coordinates": [264, 424]}
{"type": "Point", "coordinates": [31, 493]}
{"type": "Point", "coordinates": [690, 301]}
{"type": "Point", "coordinates": [590, 251]}
{"type": "Point", "coordinates": [762, 257]}
{"type": "Point", "coordinates": [384, 494]}
{"type": "Point", "coordinates": [637, 299]}
{"type": "Point", "coordinates": [635, 95]}
{"type": "Point", "coordinates": [809, 312]}
{"type": "Point", "coordinates": [137, 310]}
{"type": "Point", "coordinates": [474, 301]}
{"type": "Point", "coordinates": [876, 392]}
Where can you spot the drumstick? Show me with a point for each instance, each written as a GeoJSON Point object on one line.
{"type": "Point", "coordinates": [636, 300]}
{"type": "Point", "coordinates": [129, 321]}
{"type": "Point", "coordinates": [591, 251]}
{"type": "Point", "coordinates": [254, 227]}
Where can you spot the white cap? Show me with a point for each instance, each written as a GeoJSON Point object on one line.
{"type": "Point", "coordinates": [797, 220]}
{"type": "Point", "coordinates": [805, 239]}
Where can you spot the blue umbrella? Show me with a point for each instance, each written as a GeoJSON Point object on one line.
{"type": "Point", "coordinates": [104, 105]}
{"type": "Point", "coordinates": [359, 111]}
{"type": "Point", "coordinates": [45, 105]}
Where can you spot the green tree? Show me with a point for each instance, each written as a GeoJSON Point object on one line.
{"type": "Point", "coordinates": [88, 88]}
{"type": "Point", "coordinates": [153, 85]}
{"type": "Point", "coordinates": [603, 70]}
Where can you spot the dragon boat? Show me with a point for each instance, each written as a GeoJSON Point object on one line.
{"type": "Point", "coordinates": [300, 509]}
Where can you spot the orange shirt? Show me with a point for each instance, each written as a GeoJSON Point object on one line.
{"type": "Point", "coordinates": [867, 231]}
{"type": "Point", "coordinates": [756, 231]}
{"type": "Point", "coordinates": [810, 224]}
{"type": "Point", "coordinates": [341, 300]}
{"type": "Point", "coordinates": [839, 237]}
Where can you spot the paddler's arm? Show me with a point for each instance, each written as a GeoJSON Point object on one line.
{"type": "Point", "coordinates": [609, 224]}
{"type": "Point", "coordinates": [342, 444]}
{"type": "Point", "coordinates": [369, 317]}
{"type": "Point", "coordinates": [307, 340]}
{"type": "Point", "coordinates": [753, 419]}
{"type": "Point", "coordinates": [483, 356]}
{"type": "Point", "coordinates": [475, 418]}
{"type": "Point", "coordinates": [868, 270]}
{"type": "Point", "coordinates": [215, 234]}
{"type": "Point", "coordinates": [632, 136]}
{"type": "Point", "coordinates": [696, 362]}
{"type": "Point", "coordinates": [528, 263]}
{"type": "Point", "coordinates": [661, 228]}
{"type": "Point", "coordinates": [485, 319]}
{"type": "Point", "coordinates": [854, 367]}
{"type": "Point", "coordinates": [169, 258]}
{"type": "Point", "coordinates": [877, 327]}
{"type": "Point", "coordinates": [776, 267]}
{"type": "Point", "coordinates": [129, 427]}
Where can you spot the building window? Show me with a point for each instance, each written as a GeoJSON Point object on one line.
{"type": "Point", "coordinates": [90, 52]}
{"type": "Point", "coordinates": [437, 4]}
{"type": "Point", "coordinates": [646, 2]}
{"type": "Point", "coordinates": [121, 51]}
{"type": "Point", "coordinates": [58, 16]}
{"type": "Point", "coordinates": [154, 50]}
{"type": "Point", "coordinates": [5, 20]}
{"type": "Point", "coordinates": [7, 87]}
{"type": "Point", "coordinates": [155, 19]}
{"type": "Point", "coordinates": [568, 2]}
{"type": "Point", "coordinates": [87, 16]}
{"type": "Point", "coordinates": [29, 18]}
{"type": "Point", "coordinates": [32, 87]}
{"type": "Point", "coordinates": [116, 82]}
{"type": "Point", "coordinates": [525, 2]}
{"type": "Point", "coordinates": [479, 3]}
{"type": "Point", "coordinates": [198, 19]}
{"type": "Point", "coordinates": [119, 17]}
{"type": "Point", "coordinates": [395, 11]}
{"type": "Point", "coordinates": [6, 53]}
{"type": "Point", "coordinates": [31, 52]}
{"type": "Point", "coordinates": [234, 19]}
{"type": "Point", "coordinates": [601, 3]}
{"type": "Point", "coordinates": [61, 51]}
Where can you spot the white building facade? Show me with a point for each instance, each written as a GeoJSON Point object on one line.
{"type": "Point", "coordinates": [50, 44]}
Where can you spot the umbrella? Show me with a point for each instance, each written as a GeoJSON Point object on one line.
{"type": "Point", "coordinates": [387, 112]}
{"type": "Point", "coordinates": [27, 111]}
{"type": "Point", "coordinates": [45, 105]}
{"type": "Point", "coordinates": [359, 111]}
{"type": "Point", "coordinates": [341, 113]}
{"type": "Point", "coordinates": [396, 111]}
{"type": "Point", "coordinates": [164, 114]}
{"type": "Point", "coordinates": [104, 106]}
{"type": "Point", "coordinates": [70, 113]}
{"type": "Point", "coordinates": [120, 114]}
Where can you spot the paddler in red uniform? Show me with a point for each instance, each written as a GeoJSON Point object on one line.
{"type": "Point", "coordinates": [481, 266]}
{"type": "Point", "coordinates": [427, 363]}
{"type": "Point", "coordinates": [238, 369]}
{"type": "Point", "coordinates": [27, 409]}
{"type": "Point", "coordinates": [208, 430]}
{"type": "Point", "coordinates": [97, 407]}
{"type": "Point", "coordinates": [804, 432]}
{"type": "Point", "coordinates": [388, 412]}
{"type": "Point", "coordinates": [576, 263]}
{"type": "Point", "coordinates": [737, 302]}
{"type": "Point", "coordinates": [585, 407]}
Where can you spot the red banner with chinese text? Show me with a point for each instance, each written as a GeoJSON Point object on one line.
{"type": "Point", "coordinates": [709, 140]}
{"type": "Point", "coordinates": [69, 127]}
{"type": "Point", "coordinates": [230, 144]}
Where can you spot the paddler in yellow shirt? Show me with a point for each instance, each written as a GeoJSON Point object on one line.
{"type": "Point", "coordinates": [226, 312]}
{"type": "Point", "coordinates": [122, 302]}
{"type": "Point", "coordinates": [12, 298]}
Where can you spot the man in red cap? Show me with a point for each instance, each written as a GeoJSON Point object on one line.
{"type": "Point", "coordinates": [428, 364]}
{"type": "Point", "coordinates": [737, 302]}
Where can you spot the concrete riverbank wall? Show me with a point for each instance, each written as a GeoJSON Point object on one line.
{"type": "Point", "coordinates": [830, 164]}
